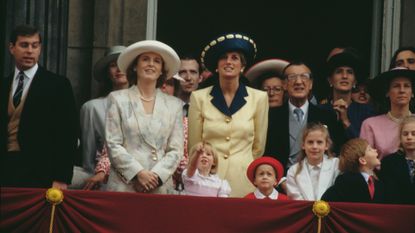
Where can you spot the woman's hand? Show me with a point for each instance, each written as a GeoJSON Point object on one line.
{"type": "Point", "coordinates": [146, 181]}
{"type": "Point", "coordinates": [95, 182]}
{"type": "Point", "coordinates": [340, 106]}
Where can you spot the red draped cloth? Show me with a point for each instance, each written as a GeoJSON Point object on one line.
{"type": "Point", "coordinates": [26, 210]}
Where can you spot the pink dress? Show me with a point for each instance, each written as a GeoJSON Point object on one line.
{"type": "Point", "coordinates": [382, 134]}
{"type": "Point", "coordinates": [205, 186]}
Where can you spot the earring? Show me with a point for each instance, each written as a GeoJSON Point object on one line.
{"type": "Point", "coordinates": [354, 85]}
{"type": "Point", "coordinates": [242, 70]}
{"type": "Point", "coordinates": [216, 70]}
{"type": "Point", "coordinates": [135, 69]}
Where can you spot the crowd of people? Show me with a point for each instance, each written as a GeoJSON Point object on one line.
{"type": "Point", "coordinates": [256, 130]}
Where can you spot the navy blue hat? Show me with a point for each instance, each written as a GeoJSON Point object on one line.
{"type": "Point", "coordinates": [346, 59]}
{"type": "Point", "coordinates": [379, 86]}
{"type": "Point", "coordinates": [229, 42]}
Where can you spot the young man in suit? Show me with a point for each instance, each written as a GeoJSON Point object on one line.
{"type": "Point", "coordinates": [39, 120]}
{"type": "Point", "coordinates": [286, 123]}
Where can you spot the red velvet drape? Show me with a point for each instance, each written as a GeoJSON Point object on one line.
{"type": "Point", "coordinates": [26, 210]}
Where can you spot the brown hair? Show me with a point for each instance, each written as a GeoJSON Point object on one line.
{"type": "Point", "coordinates": [241, 55]}
{"type": "Point", "coordinates": [132, 73]}
{"type": "Point", "coordinates": [209, 148]}
{"type": "Point", "coordinates": [405, 121]}
{"type": "Point", "coordinates": [311, 127]}
{"type": "Point", "coordinates": [350, 154]}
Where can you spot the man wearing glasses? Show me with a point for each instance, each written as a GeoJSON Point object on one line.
{"type": "Point", "coordinates": [286, 123]}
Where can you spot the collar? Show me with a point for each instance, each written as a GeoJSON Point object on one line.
{"type": "Point", "coordinates": [237, 103]}
{"type": "Point", "coordinates": [291, 107]}
{"type": "Point", "coordinates": [309, 166]}
{"type": "Point", "coordinates": [366, 176]}
{"type": "Point", "coordinates": [259, 195]}
{"type": "Point", "coordinates": [29, 73]}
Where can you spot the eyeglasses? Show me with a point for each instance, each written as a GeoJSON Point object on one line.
{"type": "Point", "coordinates": [274, 89]}
{"type": "Point", "coordinates": [303, 76]}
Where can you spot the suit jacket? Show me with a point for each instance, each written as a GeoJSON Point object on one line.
{"type": "Point", "coordinates": [135, 144]}
{"type": "Point", "coordinates": [352, 187]}
{"type": "Point", "coordinates": [300, 187]}
{"type": "Point", "coordinates": [238, 133]}
{"type": "Point", "coordinates": [48, 130]}
{"type": "Point", "coordinates": [278, 141]}
{"type": "Point", "coordinates": [395, 174]}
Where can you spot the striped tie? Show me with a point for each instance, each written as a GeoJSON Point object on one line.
{"type": "Point", "coordinates": [19, 90]}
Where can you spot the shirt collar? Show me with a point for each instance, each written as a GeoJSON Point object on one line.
{"type": "Point", "coordinates": [237, 103]}
{"type": "Point", "coordinates": [29, 73]}
{"type": "Point", "coordinates": [259, 195]}
{"type": "Point", "coordinates": [304, 108]}
{"type": "Point", "coordinates": [312, 166]}
{"type": "Point", "coordinates": [365, 175]}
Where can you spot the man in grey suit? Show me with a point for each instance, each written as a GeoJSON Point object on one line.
{"type": "Point", "coordinates": [38, 119]}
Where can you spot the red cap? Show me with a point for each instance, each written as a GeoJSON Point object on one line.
{"type": "Point", "coordinates": [265, 160]}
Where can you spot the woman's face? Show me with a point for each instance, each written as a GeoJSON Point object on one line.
{"type": "Point", "coordinates": [274, 87]}
{"type": "Point", "coordinates": [408, 136]}
{"type": "Point", "coordinates": [117, 77]}
{"type": "Point", "coordinates": [230, 65]}
{"type": "Point", "coordinates": [149, 66]}
{"type": "Point", "coordinates": [400, 91]}
{"type": "Point", "coordinates": [406, 59]}
{"type": "Point", "coordinates": [343, 79]}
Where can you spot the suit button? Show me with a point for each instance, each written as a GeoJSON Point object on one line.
{"type": "Point", "coordinates": [225, 156]}
{"type": "Point", "coordinates": [154, 158]}
{"type": "Point", "coordinates": [228, 120]}
{"type": "Point", "coordinates": [228, 138]}
{"type": "Point", "coordinates": [153, 151]}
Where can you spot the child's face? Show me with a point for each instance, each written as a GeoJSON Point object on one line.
{"type": "Point", "coordinates": [205, 160]}
{"type": "Point", "coordinates": [315, 144]}
{"type": "Point", "coordinates": [408, 136]}
{"type": "Point", "coordinates": [265, 177]}
{"type": "Point", "coordinates": [370, 159]}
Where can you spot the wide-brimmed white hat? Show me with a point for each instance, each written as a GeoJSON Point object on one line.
{"type": "Point", "coordinates": [271, 66]}
{"type": "Point", "coordinates": [101, 67]}
{"type": "Point", "coordinates": [170, 58]}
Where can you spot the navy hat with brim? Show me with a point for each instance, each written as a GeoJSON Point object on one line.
{"type": "Point", "coordinates": [230, 42]}
{"type": "Point", "coordinates": [379, 86]}
{"type": "Point", "coordinates": [346, 59]}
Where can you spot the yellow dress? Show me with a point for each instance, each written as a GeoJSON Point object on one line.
{"type": "Point", "coordinates": [238, 133]}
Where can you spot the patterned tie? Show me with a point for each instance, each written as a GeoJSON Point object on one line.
{"type": "Point", "coordinates": [299, 114]}
{"type": "Point", "coordinates": [411, 165]}
{"type": "Point", "coordinates": [371, 186]}
{"type": "Point", "coordinates": [19, 90]}
{"type": "Point", "coordinates": [186, 109]}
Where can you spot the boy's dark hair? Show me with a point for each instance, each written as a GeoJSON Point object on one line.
{"type": "Point", "coordinates": [24, 30]}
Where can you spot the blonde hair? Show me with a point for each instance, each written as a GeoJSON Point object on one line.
{"type": "Point", "coordinates": [350, 154]}
{"type": "Point", "coordinates": [208, 148]}
{"type": "Point", "coordinates": [405, 121]}
{"type": "Point", "coordinates": [311, 127]}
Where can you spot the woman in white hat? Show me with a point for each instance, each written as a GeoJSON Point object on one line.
{"type": "Point", "coordinates": [230, 115]}
{"type": "Point", "coordinates": [94, 157]}
{"type": "Point", "coordinates": [144, 131]}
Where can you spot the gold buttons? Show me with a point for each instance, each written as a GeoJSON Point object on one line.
{"type": "Point", "coordinates": [228, 138]}
{"type": "Point", "coordinates": [154, 155]}
{"type": "Point", "coordinates": [228, 120]}
{"type": "Point", "coordinates": [225, 156]}
{"type": "Point", "coordinates": [154, 158]}
{"type": "Point", "coordinates": [153, 151]}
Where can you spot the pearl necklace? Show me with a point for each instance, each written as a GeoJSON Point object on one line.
{"type": "Point", "coordinates": [395, 119]}
{"type": "Point", "coordinates": [146, 99]}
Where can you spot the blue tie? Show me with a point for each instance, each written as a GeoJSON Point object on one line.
{"type": "Point", "coordinates": [299, 114]}
{"type": "Point", "coordinates": [19, 90]}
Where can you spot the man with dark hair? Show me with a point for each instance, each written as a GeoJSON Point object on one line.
{"type": "Point", "coordinates": [38, 119]}
{"type": "Point", "coordinates": [190, 71]}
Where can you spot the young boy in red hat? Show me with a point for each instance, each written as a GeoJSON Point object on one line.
{"type": "Point", "coordinates": [265, 173]}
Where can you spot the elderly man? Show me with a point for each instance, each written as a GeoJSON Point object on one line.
{"type": "Point", "coordinates": [286, 123]}
{"type": "Point", "coordinates": [39, 126]}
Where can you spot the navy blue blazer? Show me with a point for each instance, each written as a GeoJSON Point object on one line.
{"type": "Point", "coordinates": [395, 174]}
{"type": "Point", "coordinates": [352, 187]}
{"type": "Point", "coordinates": [48, 131]}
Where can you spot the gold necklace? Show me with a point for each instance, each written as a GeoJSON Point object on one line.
{"type": "Point", "coordinates": [395, 119]}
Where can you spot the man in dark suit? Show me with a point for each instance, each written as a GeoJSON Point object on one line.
{"type": "Point", "coordinates": [38, 119]}
{"type": "Point", "coordinates": [286, 123]}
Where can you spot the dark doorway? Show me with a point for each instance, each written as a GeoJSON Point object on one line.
{"type": "Point", "coordinates": [305, 30]}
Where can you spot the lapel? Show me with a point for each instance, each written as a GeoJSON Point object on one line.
{"type": "Point", "coordinates": [325, 175]}
{"type": "Point", "coordinates": [149, 130]}
{"type": "Point", "coordinates": [238, 101]}
{"type": "Point", "coordinates": [304, 182]}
